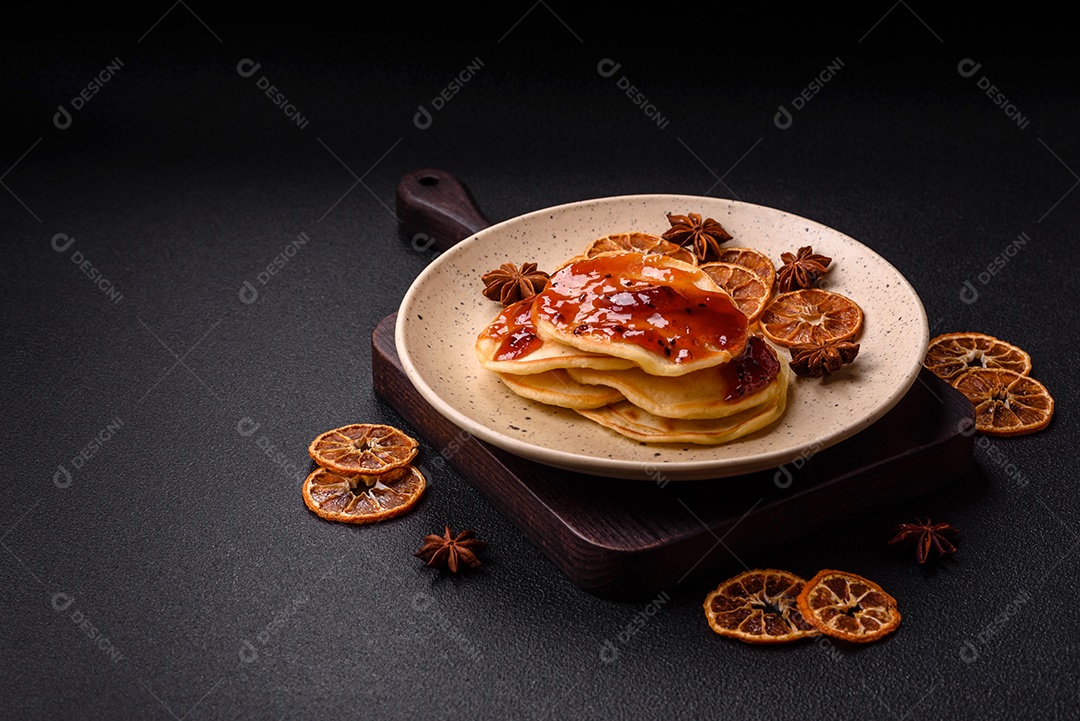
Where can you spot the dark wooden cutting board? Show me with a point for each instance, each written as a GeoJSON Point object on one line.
{"type": "Point", "coordinates": [630, 539]}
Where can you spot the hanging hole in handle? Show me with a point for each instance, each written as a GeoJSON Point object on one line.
{"type": "Point", "coordinates": [429, 180]}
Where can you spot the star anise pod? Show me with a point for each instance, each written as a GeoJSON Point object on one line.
{"type": "Point", "coordinates": [927, 537]}
{"type": "Point", "coordinates": [508, 284]}
{"type": "Point", "coordinates": [702, 236]}
{"type": "Point", "coordinates": [451, 552]}
{"type": "Point", "coordinates": [802, 270]}
{"type": "Point", "coordinates": [816, 360]}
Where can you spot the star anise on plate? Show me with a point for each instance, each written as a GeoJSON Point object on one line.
{"type": "Point", "coordinates": [508, 284]}
{"type": "Point", "coordinates": [816, 360]}
{"type": "Point", "coordinates": [928, 538]}
{"type": "Point", "coordinates": [801, 270]}
{"type": "Point", "coordinates": [702, 236]}
{"type": "Point", "coordinates": [451, 552]}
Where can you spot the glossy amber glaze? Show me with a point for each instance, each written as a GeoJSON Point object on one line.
{"type": "Point", "coordinates": [514, 331]}
{"type": "Point", "coordinates": [638, 299]}
{"type": "Point", "coordinates": [752, 370]}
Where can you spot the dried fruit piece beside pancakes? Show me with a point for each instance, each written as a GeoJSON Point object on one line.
{"type": "Point", "coordinates": [811, 315]}
{"type": "Point", "coordinates": [759, 606]}
{"type": "Point", "coordinates": [753, 260]}
{"type": "Point", "coordinates": [639, 243]}
{"type": "Point", "coordinates": [846, 606]}
{"type": "Point", "coordinates": [748, 289]}
{"type": "Point", "coordinates": [950, 355]}
{"type": "Point", "coordinates": [365, 474]}
{"type": "Point", "coordinates": [346, 499]}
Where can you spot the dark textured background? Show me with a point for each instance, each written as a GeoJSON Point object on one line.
{"type": "Point", "coordinates": [187, 546]}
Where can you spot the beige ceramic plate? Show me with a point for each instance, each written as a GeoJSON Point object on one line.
{"type": "Point", "coordinates": [444, 310]}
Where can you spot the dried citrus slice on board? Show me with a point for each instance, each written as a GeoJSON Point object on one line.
{"type": "Point", "coordinates": [759, 606]}
{"type": "Point", "coordinates": [848, 607]}
{"type": "Point", "coordinates": [748, 289]}
{"type": "Point", "coordinates": [640, 243]}
{"type": "Point", "coordinates": [363, 448]}
{"type": "Point", "coordinates": [810, 315]}
{"type": "Point", "coordinates": [952, 354]}
{"type": "Point", "coordinates": [342, 498]}
{"type": "Point", "coordinates": [1006, 402]}
{"type": "Point", "coordinates": [753, 260]}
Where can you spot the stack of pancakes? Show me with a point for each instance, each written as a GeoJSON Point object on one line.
{"type": "Point", "coordinates": [643, 343]}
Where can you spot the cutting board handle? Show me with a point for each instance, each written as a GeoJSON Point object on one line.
{"type": "Point", "coordinates": [436, 204]}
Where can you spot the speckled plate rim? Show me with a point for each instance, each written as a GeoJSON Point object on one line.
{"type": "Point", "coordinates": [628, 468]}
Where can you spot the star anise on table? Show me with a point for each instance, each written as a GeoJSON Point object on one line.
{"type": "Point", "coordinates": [702, 236]}
{"type": "Point", "coordinates": [801, 270]}
{"type": "Point", "coordinates": [508, 284]}
{"type": "Point", "coordinates": [927, 538]}
{"type": "Point", "coordinates": [816, 360]}
{"type": "Point", "coordinates": [451, 552]}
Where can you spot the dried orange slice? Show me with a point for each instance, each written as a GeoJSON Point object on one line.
{"type": "Point", "coordinates": [363, 448]}
{"type": "Point", "coordinates": [341, 498]}
{"type": "Point", "coordinates": [753, 260]}
{"type": "Point", "coordinates": [951, 355]}
{"type": "Point", "coordinates": [640, 243]}
{"type": "Point", "coordinates": [759, 607]}
{"type": "Point", "coordinates": [748, 289]}
{"type": "Point", "coordinates": [810, 315]}
{"type": "Point", "coordinates": [1006, 402]}
{"type": "Point", "coordinates": [849, 607]}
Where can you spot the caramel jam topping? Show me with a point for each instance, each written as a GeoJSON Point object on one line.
{"type": "Point", "coordinates": [513, 329]}
{"type": "Point", "coordinates": [752, 370]}
{"type": "Point", "coordinates": [636, 299]}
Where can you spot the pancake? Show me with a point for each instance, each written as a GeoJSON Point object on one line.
{"type": "Point", "coordinates": [557, 388]}
{"type": "Point", "coordinates": [666, 316]}
{"type": "Point", "coordinates": [627, 419]}
{"type": "Point", "coordinates": [755, 378]}
{"type": "Point", "coordinates": [509, 344]}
